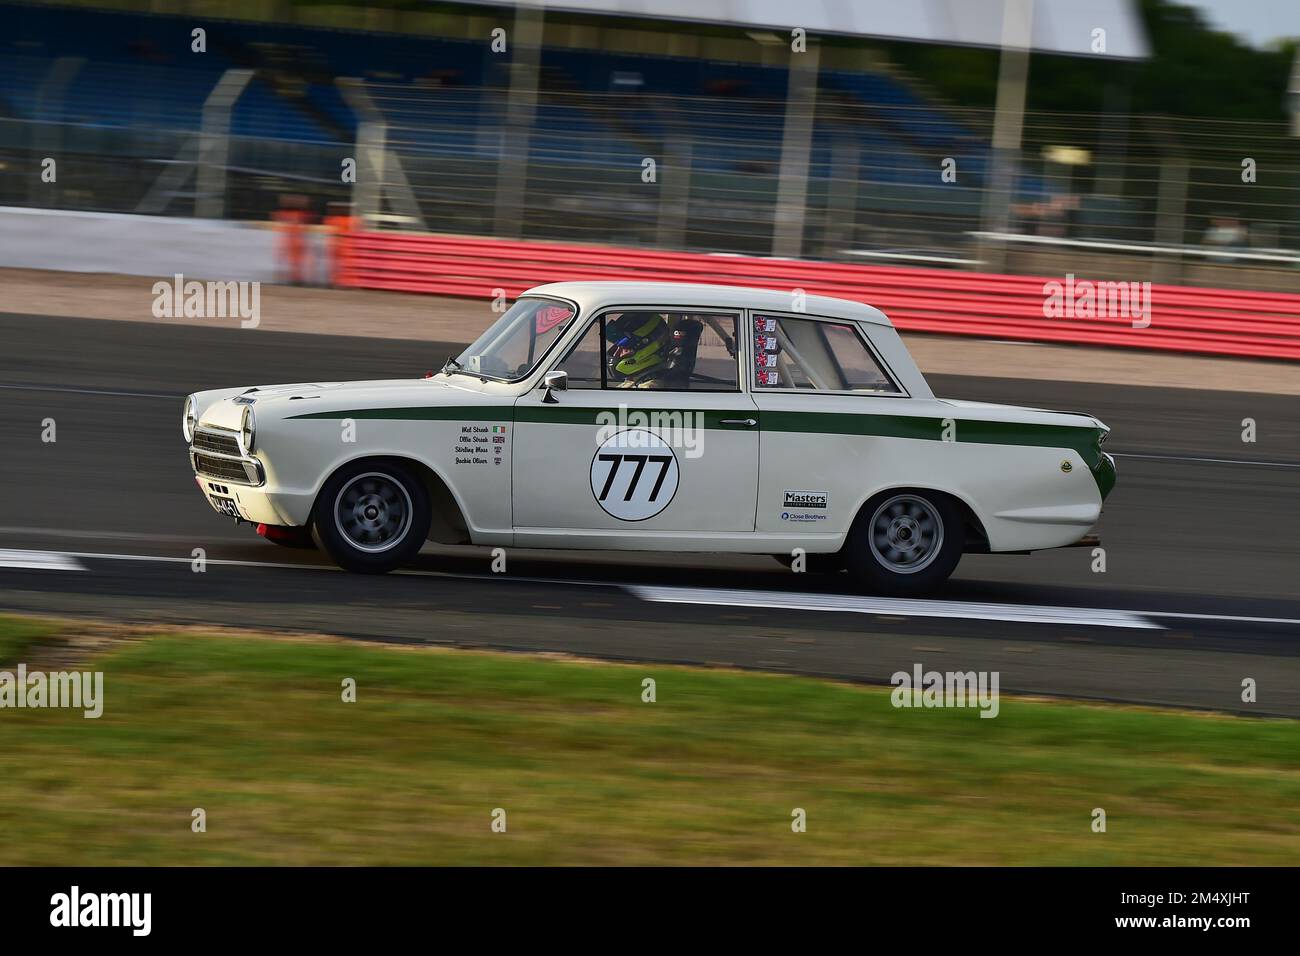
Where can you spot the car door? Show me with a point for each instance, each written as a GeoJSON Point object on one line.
{"type": "Point", "coordinates": [653, 434]}
{"type": "Point", "coordinates": [821, 390]}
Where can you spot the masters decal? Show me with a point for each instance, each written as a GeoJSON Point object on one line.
{"type": "Point", "coordinates": [805, 499]}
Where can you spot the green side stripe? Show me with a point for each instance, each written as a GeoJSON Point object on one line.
{"type": "Point", "coordinates": [1081, 438]}
{"type": "Point", "coordinates": [544, 414]}
{"type": "Point", "coordinates": [924, 427]}
{"type": "Point", "coordinates": [560, 415]}
{"type": "Point", "coordinates": [493, 413]}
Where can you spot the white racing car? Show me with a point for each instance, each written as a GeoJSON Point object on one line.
{"type": "Point", "coordinates": [658, 417]}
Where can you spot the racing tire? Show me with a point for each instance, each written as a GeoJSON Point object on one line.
{"type": "Point", "coordinates": [371, 516]}
{"type": "Point", "coordinates": [904, 543]}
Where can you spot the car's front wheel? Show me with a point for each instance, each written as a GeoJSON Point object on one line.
{"type": "Point", "coordinates": [906, 542]}
{"type": "Point", "coordinates": [371, 517]}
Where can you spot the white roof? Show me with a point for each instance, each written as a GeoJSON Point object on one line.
{"type": "Point", "coordinates": [593, 296]}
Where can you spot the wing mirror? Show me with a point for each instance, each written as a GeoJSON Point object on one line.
{"type": "Point", "coordinates": [554, 382]}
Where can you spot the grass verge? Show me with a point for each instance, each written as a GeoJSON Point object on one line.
{"type": "Point", "coordinates": [19, 635]}
{"type": "Point", "coordinates": [253, 730]}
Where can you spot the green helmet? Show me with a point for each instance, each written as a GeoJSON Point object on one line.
{"type": "Point", "coordinates": [638, 345]}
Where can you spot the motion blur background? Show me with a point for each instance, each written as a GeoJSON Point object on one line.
{"type": "Point", "coordinates": [944, 160]}
{"type": "Point", "coordinates": [1118, 153]}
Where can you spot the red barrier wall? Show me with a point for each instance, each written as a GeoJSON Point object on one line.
{"type": "Point", "coordinates": [1183, 319]}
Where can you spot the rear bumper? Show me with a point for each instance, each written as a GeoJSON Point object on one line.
{"type": "Point", "coordinates": [1042, 528]}
{"type": "Point", "coordinates": [1104, 473]}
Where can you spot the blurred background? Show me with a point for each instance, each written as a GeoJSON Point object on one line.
{"type": "Point", "coordinates": [998, 135]}
{"type": "Point", "coordinates": [943, 160]}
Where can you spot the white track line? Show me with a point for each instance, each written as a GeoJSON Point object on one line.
{"type": "Point", "coordinates": [39, 560]}
{"type": "Point", "coordinates": [1211, 461]}
{"type": "Point", "coordinates": [911, 607]}
{"type": "Point", "coordinates": [669, 594]}
{"type": "Point", "coordinates": [172, 559]}
{"type": "Point", "coordinates": [207, 539]}
{"type": "Point", "coordinates": [109, 392]}
{"type": "Point", "coordinates": [1098, 617]}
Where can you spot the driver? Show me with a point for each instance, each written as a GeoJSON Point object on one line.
{"type": "Point", "coordinates": [637, 356]}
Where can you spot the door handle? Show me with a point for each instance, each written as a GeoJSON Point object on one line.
{"type": "Point", "coordinates": [747, 422]}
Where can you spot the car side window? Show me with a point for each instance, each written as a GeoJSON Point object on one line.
{"type": "Point", "coordinates": [583, 361]}
{"type": "Point", "coordinates": [654, 350]}
{"type": "Point", "coordinates": [815, 355]}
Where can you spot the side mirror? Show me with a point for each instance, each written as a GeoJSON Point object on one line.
{"type": "Point", "coordinates": [554, 382]}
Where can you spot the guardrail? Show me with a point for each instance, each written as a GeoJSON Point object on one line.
{"type": "Point", "coordinates": [1182, 318]}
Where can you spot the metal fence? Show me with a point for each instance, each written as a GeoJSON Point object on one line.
{"type": "Point", "coordinates": [697, 173]}
{"type": "Point", "coordinates": [885, 183]}
{"type": "Point", "coordinates": [1176, 198]}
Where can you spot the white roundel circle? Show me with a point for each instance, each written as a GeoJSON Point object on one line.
{"type": "Point", "coordinates": [634, 475]}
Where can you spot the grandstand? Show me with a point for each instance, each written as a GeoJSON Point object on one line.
{"type": "Point", "coordinates": [123, 89]}
{"type": "Point", "coordinates": [442, 98]}
{"type": "Point", "coordinates": [126, 80]}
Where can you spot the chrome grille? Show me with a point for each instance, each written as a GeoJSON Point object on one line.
{"type": "Point", "coordinates": [220, 442]}
{"type": "Point", "coordinates": [227, 468]}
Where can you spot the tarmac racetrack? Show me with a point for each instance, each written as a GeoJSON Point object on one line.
{"type": "Point", "coordinates": [1202, 539]}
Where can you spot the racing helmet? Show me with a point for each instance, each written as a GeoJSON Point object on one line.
{"type": "Point", "coordinates": [638, 345]}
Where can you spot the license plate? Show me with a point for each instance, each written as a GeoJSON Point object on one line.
{"type": "Point", "coordinates": [224, 506]}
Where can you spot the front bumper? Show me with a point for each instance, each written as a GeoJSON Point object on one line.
{"type": "Point", "coordinates": [247, 487]}
{"type": "Point", "coordinates": [251, 504]}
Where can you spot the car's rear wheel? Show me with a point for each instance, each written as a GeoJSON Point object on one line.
{"type": "Point", "coordinates": [905, 542]}
{"type": "Point", "coordinates": [371, 517]}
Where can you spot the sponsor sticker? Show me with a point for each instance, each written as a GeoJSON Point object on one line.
{"type": "Point", "coordinates": [806, 499]}
{"type": "Point", "coordinates": [550, 316]}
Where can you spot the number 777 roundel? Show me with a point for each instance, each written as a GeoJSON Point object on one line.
{"type": "Point", "coordinates": [634, 475]}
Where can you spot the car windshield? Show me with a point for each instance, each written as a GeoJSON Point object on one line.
{"type": "Point", "coordinates": [511, 348]}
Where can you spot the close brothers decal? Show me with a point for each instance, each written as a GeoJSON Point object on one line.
{"type": "Point", "coordinates": [795, 504]}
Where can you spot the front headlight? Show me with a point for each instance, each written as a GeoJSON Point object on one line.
{"type": "Point", "coordinates": [189, 418]}
{"type": "Point", "coordinates": [247, 432]}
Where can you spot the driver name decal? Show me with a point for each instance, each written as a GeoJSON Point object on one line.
{"type": "Point", "coordinates": [634, 475]}
{"type": "Point", "coordinates": [480, 445]}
